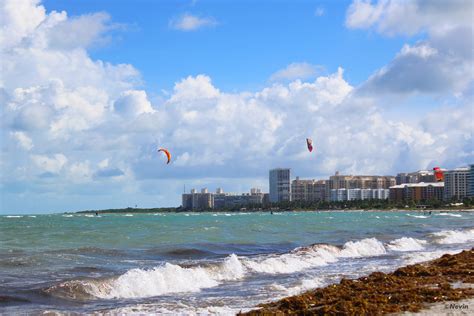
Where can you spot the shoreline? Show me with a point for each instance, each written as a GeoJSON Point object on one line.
{"type": "Point", "coordinates": [423, 287]}
{"type": "Point", "coordinates": [151, 211]}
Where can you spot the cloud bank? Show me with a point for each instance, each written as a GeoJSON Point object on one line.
{"type": "Point", "coordinates": [78, 130]}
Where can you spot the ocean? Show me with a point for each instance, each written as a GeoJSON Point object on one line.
{"type": "Point", "coordinates": [205, 263]}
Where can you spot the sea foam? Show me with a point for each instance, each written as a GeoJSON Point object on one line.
{"type": "Point", "coordinates": [406, 244]}
{"type": "Point", "coordinates": [172, 278]}
{"type": "Point", "coordinates": [455, 236]}
{"type": "Point", "coordinates": [169, 278]}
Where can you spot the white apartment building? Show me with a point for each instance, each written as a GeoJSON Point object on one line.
{"type": "Point", "coordinates": [455, 183]}
{"type": "Point", "coordinates": [470, 181]}
{"type": "Point", "coordinates": [358, 194]}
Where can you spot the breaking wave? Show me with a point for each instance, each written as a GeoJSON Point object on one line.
{"type": "Point", "coordinates": [407, 244]}
{"type": "Point", "coordinates": [454, 236]}
{"type": "Point", "coordinates": [172, 278]}
{"type": "Point", "coordinates": [166, 279]}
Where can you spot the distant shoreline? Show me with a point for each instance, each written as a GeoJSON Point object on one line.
{"type": "Point", "coordinates": [178, 210]}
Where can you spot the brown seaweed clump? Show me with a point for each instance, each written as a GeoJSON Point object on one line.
{"type": "Point", "coordinates": [407, 289]}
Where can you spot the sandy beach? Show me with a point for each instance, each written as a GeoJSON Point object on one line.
{"type": "Point", "coordinates": [443, 286]}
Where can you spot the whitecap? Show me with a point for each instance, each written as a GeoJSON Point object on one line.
{"type": "Point", "coordinates": [363, 248]}
{"type": "Point", "coordinates": [406, 244]}
{"type": "Point", "coordinates": [417, 216]}
{"type": "Point", "coordinates": [454, 236]}
{"type": "Point", "coordinates": [166, 279]}
{"type": "Point", "coordinates": [449, 214]}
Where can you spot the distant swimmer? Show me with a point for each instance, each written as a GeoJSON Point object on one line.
{"type": "Point", "coordinates": [96, 213]}
{"type": "Point", "coordinates": [271, 212]}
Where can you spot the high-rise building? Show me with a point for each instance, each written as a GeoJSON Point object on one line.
{"type": "Point", "coordinates": [455, 183]}
{"type": "Point", "coordinates": [470, 181]}
{"type": "Point", "coordinates": [308, 190]}
{"type": "Point", "coordinates": [280, 189]}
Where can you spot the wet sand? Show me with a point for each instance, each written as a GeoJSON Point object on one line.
{"type": "Point", "coordinates": [410, 289]}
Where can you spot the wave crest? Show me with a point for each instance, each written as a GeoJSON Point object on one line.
{"type": "Point", "coordinates": [407, 244]}
{"type": "Point", "coordinates": [454, 236]}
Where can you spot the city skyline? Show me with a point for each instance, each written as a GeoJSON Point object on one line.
{"type": "Point", "coordinates": [90, 90]}
{"type": "Point", "coordinates": [425, 186]}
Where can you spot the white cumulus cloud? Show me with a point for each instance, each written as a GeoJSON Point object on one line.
{"type": "Point", "coordinates": [393, 17]}
{"type": "Point", "coordinates": [297, 71]}
{"type": "Point", "coordinates": [52, 164]}
{"type": "Point", "coordinates": [70, 120]}
{"type": "Point", "coordinates": [189, 22]}
{"type": "Point", "coordinates": [23, 140]}
{"type": "Point", "coordinates": [133, 103]}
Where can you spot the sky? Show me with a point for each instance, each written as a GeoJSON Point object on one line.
{"type": "Point", "coordinates": [90, 89]}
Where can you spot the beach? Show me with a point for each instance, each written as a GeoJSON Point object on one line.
{"type": "Point", "coordinates": [207, 263]}
{"type": "Point", "coordinates": [448, 279]}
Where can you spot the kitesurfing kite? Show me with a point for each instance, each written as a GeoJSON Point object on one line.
{"type": "Point", "coordinates": [167, 153]}
{"type": "Point", "coordinates": [309, 143]}
{"type": "Point", "coordinates": [438, 173]}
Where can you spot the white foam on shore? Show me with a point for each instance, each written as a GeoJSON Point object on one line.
{"type": "Point", "coordinates": [13, 216]}
{"type": "Point", "coordinates": [454, 236]}
{"type": "Point", "coordinates": [182, 310]}
{"type": "Point", "coordinates": [305, 285]}
{"type": "Point", "coordinates": [407, 244]}
{"type": "Point", "coordinates": [418, 257]}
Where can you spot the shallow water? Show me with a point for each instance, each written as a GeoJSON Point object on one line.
{"type": "Point", "coordinates": [206, 262]}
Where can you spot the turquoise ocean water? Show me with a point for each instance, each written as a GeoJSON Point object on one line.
{"type": "Point", "coordinates": [205, 263]}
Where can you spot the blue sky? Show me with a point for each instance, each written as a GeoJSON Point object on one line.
{"type": "Point", "coordinates": [250, 41]}
{"type": "Point", "coordinates": [90, 89]}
